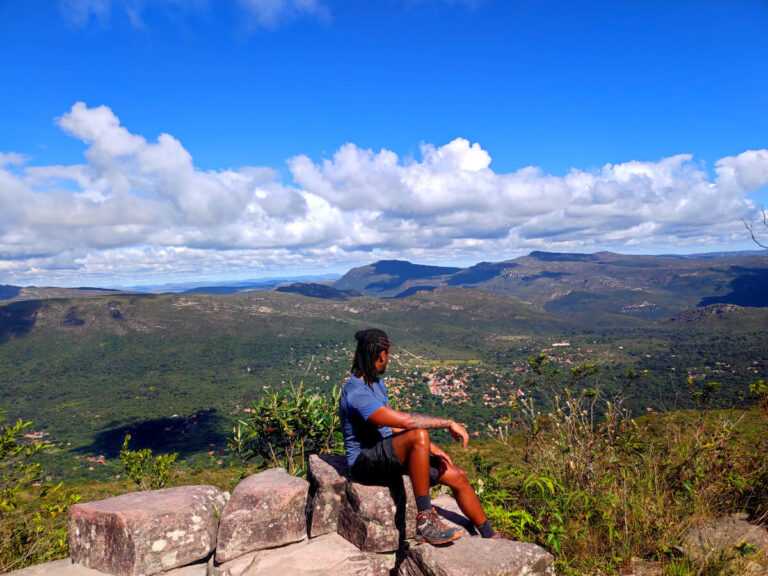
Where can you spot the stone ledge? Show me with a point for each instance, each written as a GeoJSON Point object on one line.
{"type": "Point", "coordinates": [66, 567]}
{"type": "Point", "coordinates": [476, 556]}
{"type": "Point", "coordinates": [328, 476]}
{"type": "Point", "coordinates": [144, 533]}
{"type": "Point", "coordinates": [378, 518]}
{"type": "Point", "coordinates": [266, 510]}
{"type": "Point", "coordinates": [327, 554]}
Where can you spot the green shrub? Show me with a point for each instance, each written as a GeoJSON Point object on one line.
{"type": "Point", "coordinates": [286, 427]}
{"type": "Point", "coordinates": [32, 512]}
{"type": "Point", "coordinates": [148, 471]}
{"type": "Point", "coordinates": [760, 389]}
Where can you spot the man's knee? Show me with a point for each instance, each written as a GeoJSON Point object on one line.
{"type": "Point", "coordinates": [455, 477]}
{"type": "Point", "coordinates": [420, 437]}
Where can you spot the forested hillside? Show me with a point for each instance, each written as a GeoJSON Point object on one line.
{"type": "Point", "coordinates": [178, 371]}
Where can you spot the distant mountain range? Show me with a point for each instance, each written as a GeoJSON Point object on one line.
{"type": "Point", "coordinates": [647, 287]}
{"type": "Point", "coordinates": [595, 286]}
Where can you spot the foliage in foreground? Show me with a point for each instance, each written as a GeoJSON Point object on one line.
{"type": "Point", "coordinates": [597, 488]}
{"type": "Point", "coordinates": [285, 427]}
{"type": "Point", "coordinates": [590, 484]}
{"type": "Point", "coordinates": [32, 513]}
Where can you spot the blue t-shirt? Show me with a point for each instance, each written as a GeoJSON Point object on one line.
{"type": "Point", "coordinates": [356, 404]}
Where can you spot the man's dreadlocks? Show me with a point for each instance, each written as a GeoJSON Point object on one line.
{"type": "Point", "coordinates": [370, 343]}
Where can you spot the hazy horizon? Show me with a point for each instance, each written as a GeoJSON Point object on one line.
{"type": "Point", "coordinates": [320, 275]}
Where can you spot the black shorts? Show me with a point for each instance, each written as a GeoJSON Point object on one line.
{"type": "Point", "coordinates": [379, 465]}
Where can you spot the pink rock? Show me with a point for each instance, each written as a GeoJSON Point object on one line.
{"type": "Point", "coordinates": [328, 484]}
{"type": "Point", "coordinates": [473, 555]}
{"type": "Point", "coordinates": [67, 568]}
{"type": "Point", "coordinates": [266, 510]}
{"type": "Point", "coordinates": [722, 536]}
{"type": "Point", "coordinates": [145, 533]}
{"type": "Point", "coordinates": [378, 518]}
{"type": "Point", "coordinates": [329, 554]}
{"type": "Point", "coordinates": [476, 556]}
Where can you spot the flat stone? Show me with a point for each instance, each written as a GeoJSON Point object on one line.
{"type": "Point", "coordinates": [329, 554]}
{"type": "Point", "coordinates": [266, 510]}
{"type": "Point", "coordinates": [144, 533]}
{"type": "Point", "coordinates": [66, 567]}
{"type": "Point", "coordinates": [385, 563]}
{"type": "Point", "coordinates": [476, 556]}
{"type": "Point", "coordinates": [723, 535]}
{"type": "Point", "coordinates": [63, 567]}
{"type": "Point", "coordinates": [236, 567]}
{"type": "Point", "coordinates": [331, 545]}
{"type": "Point", "coordinates": [328, 477]}
{"type": "Point", "coordinates": [378, 518]}
{"type": "Point", "coordinates": [472, 555]}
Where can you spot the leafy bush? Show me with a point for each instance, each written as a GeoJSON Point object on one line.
{"type": "Point", "coordinates": [760, 389]}
{"type": "Point", "coordinates": [286, 427]}
{"type": "Point", "coordinates": [32, 513]}
{"type": "Point", "coordinates": [148, 471]}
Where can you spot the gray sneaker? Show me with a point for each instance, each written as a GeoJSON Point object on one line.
{"type": "Point", "coordinates": [430, 529]}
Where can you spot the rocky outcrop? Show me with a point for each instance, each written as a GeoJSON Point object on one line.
{"type": "Point", "coordinates": [266, 510]}
{"type": "Point", "coordinates": [144, 533]}
{"type": "Point", "coordinates": [724, 535]}
{"type": "Point", "coordinates": [726, 538]}
{"type": "Point", "coordinates": [471, 555]}
{"type": "Point", "coordinates": [476, 556]}
{"type": "Point", "coordinates": [67, 568]}
{"type": "Point", "coordinates": [263, 530]}
{"type": "Point", "coordinates": [328, 486]}
{"type": "Point", "coordinates": [378, 518]}
{"type": "Point", "coordinates": [326, 554]}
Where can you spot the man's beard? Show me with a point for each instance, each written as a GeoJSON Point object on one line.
{"type": "Point", "coordinates": [381, 372]}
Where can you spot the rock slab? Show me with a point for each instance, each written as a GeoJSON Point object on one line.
{"type": "Point", "coordinates": [723, 535]}
{"type": "Point", "coordinates": [378, 518]}
{"type": "Point", "coordinates": [328, 477]}
{"type": "Point", "coordinates": [144, 533]}
{"type": "Point", "coordinates": [65, 567]}
{"type": "Point", "coordinates": [476, 556]}
{"type": "Point", "coordinates": [329, 554]}
{"type": "Point", "coordinates": [266, 510]}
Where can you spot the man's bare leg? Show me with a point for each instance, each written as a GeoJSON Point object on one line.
{"type": "Point", "coordinates": [456, 479]}
{"type": "Point", "coordinates": [412, 449]}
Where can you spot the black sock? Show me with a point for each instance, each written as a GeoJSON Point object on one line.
{"type": "Point", "coordinates": [485, 529]}
{"type": "Point", "coordinates": [423, 503]}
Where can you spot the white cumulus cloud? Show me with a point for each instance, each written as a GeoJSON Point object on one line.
{"type": "Point", "coordinates": [137, 208]}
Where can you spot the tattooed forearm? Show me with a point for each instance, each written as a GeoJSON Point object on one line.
{"type": "Point", "coordinates": [416, 420]}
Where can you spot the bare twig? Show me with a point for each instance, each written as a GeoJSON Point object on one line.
{"type": "Point", "coordinates": [750, 227]}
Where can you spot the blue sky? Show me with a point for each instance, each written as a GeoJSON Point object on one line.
{"type": "Point", "coordinates": [212, 139]}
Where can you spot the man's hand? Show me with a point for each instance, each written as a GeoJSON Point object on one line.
{"type": "Point", "coordinates": [440, 454]}
{"type": "Point", "coordinates": [459, 433]}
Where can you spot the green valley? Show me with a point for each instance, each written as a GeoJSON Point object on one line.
{"type": "Point", "coordinates": [178, 371]}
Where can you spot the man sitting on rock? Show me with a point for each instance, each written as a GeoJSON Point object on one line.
{"type": "Point", "coordinates": [382, 444]}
